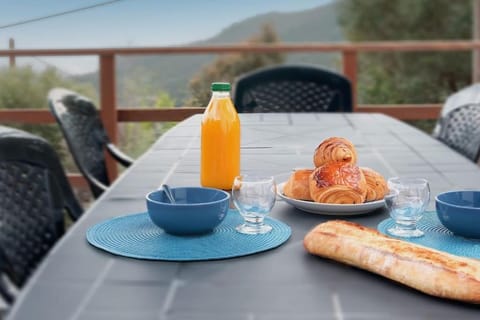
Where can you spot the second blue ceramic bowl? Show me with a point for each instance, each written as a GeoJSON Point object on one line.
{"type": "Point", "coordinates": [459, 212]}
{"type": "Point", "coordinates": [196, 210]}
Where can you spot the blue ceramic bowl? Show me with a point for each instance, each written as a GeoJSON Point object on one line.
{"type": "Point", "coordinates": [196, 210]}
{"type": "Point", "coordinates": [459, 212]}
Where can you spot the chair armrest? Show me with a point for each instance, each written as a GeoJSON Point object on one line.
{"type": "Point", "coordinates": [74, 210]}
{"type": "Point", "coordinates": [121, 157]}
{"type": "Point", "coordinates": [5, 292]}
{"type": "Point", "coordinates": [5, 270]}
{"type": "Point", "coordinates": [97, 187]}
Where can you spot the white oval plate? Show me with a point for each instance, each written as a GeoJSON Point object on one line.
{"type": "Point", "coordinates": [331, 209]}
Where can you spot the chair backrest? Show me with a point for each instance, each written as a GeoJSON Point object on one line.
{"type": "Point", "coordinates": [292, 88]}
{"type": "Point", "coordinates": [84, 133]}
{"type": "Point", "coordinates": [470, 94]}
{"type": "Point", "coordinates": [460, 130]}
{"type": "Point", "coordinates": [34, 192]}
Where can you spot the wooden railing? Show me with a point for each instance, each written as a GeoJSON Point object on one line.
{"type": "Point", "coordinates": [111, 115]}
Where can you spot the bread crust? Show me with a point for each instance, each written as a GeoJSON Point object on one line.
{"type": "Point", "coordinates": [297, 185]}
{"type": "Point", "coordinates": [428, 270]}
{"type": "Point", "coordinates": [338, 182]}
{"type": "Point", "coordinates": [376, 185]}
{"type": "Point", "coordinates": [334, 149]}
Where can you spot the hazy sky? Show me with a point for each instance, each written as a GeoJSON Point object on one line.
{"type": "Point", "coordinates": [125, 23]}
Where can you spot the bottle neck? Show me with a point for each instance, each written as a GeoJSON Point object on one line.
{"type": "Point", "coordinates": [220, 94]}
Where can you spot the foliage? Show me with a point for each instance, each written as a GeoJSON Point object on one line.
{"type": "Point", "coordinates": [24, 88]}
{"type": "Point", "coordinates": [137, 137]}
{"type": "Point", "coordinates": [426, 126]}
{"type": "Point", "coordinates": [227, 67]}
{"type": "Point", "coordinates": [414, 77]}
{"type": "Point", "coordinates": [163, 101]}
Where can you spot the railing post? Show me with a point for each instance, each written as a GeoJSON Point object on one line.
{"type": "Point", "coordinates": [11, 46]}
{"type": "Point", "coordinates": [476, 36]}
{"type": "Point", "coordinates": [350, 71]}
{"type": "Point", "coordinates": [108, 106]}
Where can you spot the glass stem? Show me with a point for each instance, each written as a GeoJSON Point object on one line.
{"type": "Point", "coordinates": [406, 225]}
{"type": "Point", "coordinates": [254, 222]}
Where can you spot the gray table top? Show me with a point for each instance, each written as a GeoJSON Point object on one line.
{"type": "Point", "coordinates": [78, 281]}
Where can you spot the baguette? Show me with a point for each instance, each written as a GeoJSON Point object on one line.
{"type": "Point", "coordinates": [428, 270]}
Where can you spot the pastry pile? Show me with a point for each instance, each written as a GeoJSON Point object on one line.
{"type": "Point", "coordinates": [336, 178]}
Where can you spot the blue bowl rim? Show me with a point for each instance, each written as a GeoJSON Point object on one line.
{"type": "Point", "coordinates": [147, 197]}
{"type": "Point", "coordinates": [456, 205]}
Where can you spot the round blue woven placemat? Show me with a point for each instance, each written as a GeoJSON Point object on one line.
{"type": "Point", "coordinates": [136, 236]}
{"type": "Point", "coordinates": [438, 237]}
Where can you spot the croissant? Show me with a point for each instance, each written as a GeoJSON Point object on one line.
{"type": "Point", "coordinates": [338, 182]}
{"type": "Point", "coordinates": [376, 184]}
{"type": "Point", "coordinates": [297, 186]}
{"type": "Point", "coordinates": [334, 149]}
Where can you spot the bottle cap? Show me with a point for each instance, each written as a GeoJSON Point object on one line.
{"type": "Point", "coordinates": [220, 86]}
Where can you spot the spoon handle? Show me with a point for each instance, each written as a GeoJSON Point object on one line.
{"type": "Point", "coordinates": [168, 193]}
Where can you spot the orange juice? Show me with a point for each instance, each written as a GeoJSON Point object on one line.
{"type": "Point", "coordinates": [220, 140]}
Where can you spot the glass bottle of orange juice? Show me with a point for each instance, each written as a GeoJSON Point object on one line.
{"type": "Point", "coordinates": [220, 140]}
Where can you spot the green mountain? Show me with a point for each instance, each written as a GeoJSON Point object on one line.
{"type": "Point", "coordinates": [171, 73]}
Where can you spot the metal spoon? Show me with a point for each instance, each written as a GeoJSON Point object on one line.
{"type": "Point", "coordinates": [168, 193]}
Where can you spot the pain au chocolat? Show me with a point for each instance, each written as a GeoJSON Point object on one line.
{"type": "Point", "coordinates": [339, 183]}
{"type": "Point", "coordinates": [376, 185]}
{"type": "Point", "coordinates": [334, 149]}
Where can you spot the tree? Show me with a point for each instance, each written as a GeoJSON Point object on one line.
{"type": "Point", "coordinates": [227, 67]}
{"type": "Point", "coordinates": [163, 101]}
{"type": "Point", "coordinates": [415, 77]}
{"type": "Point", "coordinates": [135, 138]}
{"type": "Point", "coordinates": [23, 88]}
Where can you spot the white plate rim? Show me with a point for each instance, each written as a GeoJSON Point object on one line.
{"type": "Point", "coordinates": [329, 208]}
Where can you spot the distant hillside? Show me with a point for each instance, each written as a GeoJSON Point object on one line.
{"type": "Point", "coordinates": [318, 24]}
{"type": "Point", "coordinates": [172, 73]}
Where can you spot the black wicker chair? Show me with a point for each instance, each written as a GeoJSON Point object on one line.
{"type": "Point", "coordinates": [86, 137]}
{"type": "Point", "coordinates": [460, 130]}
{"type": "Point", "coordinates": [34, 193]}
{"type": "Point", "coordinates": [292, 88]}
{"type": "Point", "coordinates": [467, 95]}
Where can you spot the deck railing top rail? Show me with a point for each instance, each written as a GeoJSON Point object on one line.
{"type": "Point", "coordinates": [381, 46]}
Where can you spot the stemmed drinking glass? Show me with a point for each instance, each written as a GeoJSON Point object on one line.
{"type": "Point", "coordinates": [406, 202]}
{"type": "Point", "coordinates": [254, 197]}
